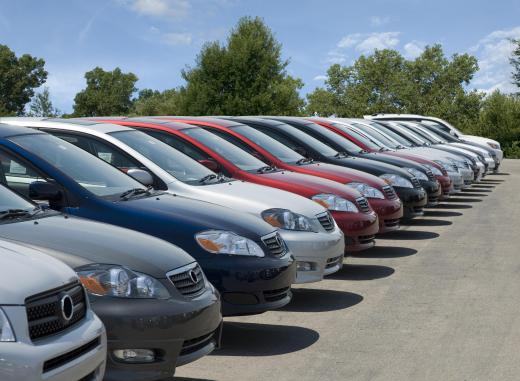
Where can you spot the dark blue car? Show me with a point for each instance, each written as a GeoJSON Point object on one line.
{"type": "Point", "coordinates": [240, 254]}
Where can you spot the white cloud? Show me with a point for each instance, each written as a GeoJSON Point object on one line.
{"type": "Point", "coordinates": [335, 57]}
{"type": "Point", "coordinates": [385, 40]}
{"type": "Point", "coordinates": [379, 21]}
{"type": "Point", "coordinates": [413, 49]}
{"type": "Point", "coordinates": [349, 40]}
{"type": "Point", "coordinates": [493, 52]}
{"type": "Point", "coordinates": [177, 38]}
{"type": "Point", "coordinates": [320, 78]}
{"type": "Point", "coordinates": [177, 9]}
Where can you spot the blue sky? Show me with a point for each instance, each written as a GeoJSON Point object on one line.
{"type": "Point", "coordinates": [155, 39]}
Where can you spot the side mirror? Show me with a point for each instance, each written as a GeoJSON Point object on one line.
{"type": "Point", "coordinates": [301, 151]}
{"type": "Point", "coordinates": [144, 177]}
{"type": "Point", "coordinates": [210, 164]}
{"type": "Point", "coordinates": [42, 190]}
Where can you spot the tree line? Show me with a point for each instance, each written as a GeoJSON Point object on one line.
{"type": "Point", "coordinates": [247, 75]}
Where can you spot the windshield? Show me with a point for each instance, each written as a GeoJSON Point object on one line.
{"type": "Point", "coordinates": [272, 146]}
{"type": "Point", "coordinates": [177, 164]}
{"type": "Point", "coordinates": [391, 134]}
{"type": "Point", "coordinates": [336, 140]}
{"type": "Point", "coordinates": [228, 151]}
{"type": "Point", "coordinates": [419, 132]}
{"type": "Point", "coordinates": [310, 141]}
{"type": "Point", "coordinates": [378, 136]}
{"type": "Point", "coordinates": [436, 135]}
{"type": "Point", "coordinates": [10, 200]}
{"type": "Point", "coordinates": [367, 141]}
{"type": "Point", "coordinates": [91, 173]}
{"type": "Point", "coordinates": [409, 135]}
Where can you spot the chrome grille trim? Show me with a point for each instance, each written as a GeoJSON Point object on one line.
{"type": "Point", "coordinates": [275, 244]}
{"type": "Point", "coordinates": [326, 220]}
{"type": "Point", "coordinates": [181, 278]}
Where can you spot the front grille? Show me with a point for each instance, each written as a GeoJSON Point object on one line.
{"type": "Point", "coordinates": [363, 204]}
{"type": "Point", "coordinates": [59, 361]}
{"type": "Point", "coordinates": [364, 239]}
{"type": "Point", "coordinates": [332, 262]}
{"type": "Point", "coordinates": [418, 209]}
{"type": "Point", "coordinates": [391, 223]}
{"type": "Point", "coordinates": [45, 314]}
{"type": "Point", "coordinates": [433, 200]}
{"type": "Point", "coordinates": [468, 182]}
{"type": "Point", "coordinates": [275, 295]}
{"type": "Point", "coordinates": [275, 244]}
{"type": "Point", "coordinates": [193, 345]}
{"type": "Point", "coordinates": [188, 280]}
{"type": "Point", "coordinates": [326, 221]}
{"type": "Point", "coordinates": [416, 183]}
{"type": "Point", "coordinates": [430, 175]}
{"type": "Point", "coordinates": [389, 192]}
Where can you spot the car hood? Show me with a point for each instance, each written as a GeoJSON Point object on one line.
{"type": "Point", "coordinates": [79, 242]}
{"type": "Point", "coordinates": [253, 198]}
{"type": "Point", "coordinates": [27, 271]}
{"type": "Point", "coordinates": [309, 186]}
{"type": "Point", "coordinates": [374, 167]}
{"type": "Point", "coordinates": [342, 174]}
{"type": "Point", "coordinates": [394, 160]}
{"type": "Point", "coordinates": [478, 139]}
{"type": "Point", "coordinates": [435, 153]}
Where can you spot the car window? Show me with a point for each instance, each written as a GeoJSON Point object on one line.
{"type": "Point", "coordinates": [18, 174]}
{"type": "Point", "coordinates": [180, 144]}
{"type": "Point", "coordinates": [10, 200]}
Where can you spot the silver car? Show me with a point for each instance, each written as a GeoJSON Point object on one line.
{"type": "Point", "coordinates": [47, 329]}
{"type": "Point", "coordinates": [318, 253]}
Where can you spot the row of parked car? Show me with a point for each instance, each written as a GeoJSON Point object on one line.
{"type": "Point", "coordinates": [124, 241]}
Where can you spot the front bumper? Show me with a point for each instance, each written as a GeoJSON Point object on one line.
{"type": "Point", "coordinates": [433, 190]}
{"type": "Point", "coordinates": [24, 361]}
{"type": "Point", "coordinates": [414, 200]}
{"type": "Point", "coordinates": [389, 212]}
{"type": "Point", "coordinates": [251, 285]}
{"type": "Point", "coordinates": [445, 182]}
{"type": "Point", "coordinates": [316, 254]}
{"type": "Point", "coordinates": [178, 330]}
{"type": "Point", "coordinates": [457, 182]}
{"type": "Point", "coordinates": [359, 229]}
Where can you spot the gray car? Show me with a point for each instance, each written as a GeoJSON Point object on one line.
{"type": "Point", "coordinates": [134, 285]}
{"type": "Point", "coordinates": [47, 329]}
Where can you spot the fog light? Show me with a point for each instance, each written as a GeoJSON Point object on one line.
{"type": "Point", "coordinates": [135, 355]}
{"type": "Point", "coordinates": [304, 266]}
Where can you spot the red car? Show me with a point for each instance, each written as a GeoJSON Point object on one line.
{"type": "Point", "coordinates": [381, 196]}
{"type": "Point", "coordinates": [365, 144]}
{"type": "Point", "coordinates": [350, 209]}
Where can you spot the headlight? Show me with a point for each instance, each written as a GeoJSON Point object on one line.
{"type": "Point", "coordinates": [448, 167]}
{"type": "Point", "coordinates": [396, 180]}
{"type": "Point", "coordinates": [459, 163]}
{"type": "Point", "coordinates": [6, 332]}
{"type": "Point", "coordinates": [336, 203]}
{"type": "Point", "coordinates": [415, 172]}
{"type": "Point", "coordinates": [366, 190]}
{"type": "Point", "coordinates": [285, 219]}
{"type": "Point", "coordinates": [493, 145]}
{"type": "Point", "coordinates": [226, 242]}
{"type": "Point", "coordinates": [118, 281]}
{"type": "Point", "coordinates": [436, 171]}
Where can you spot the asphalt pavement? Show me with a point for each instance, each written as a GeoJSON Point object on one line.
{"type": "Point", "coordinates": [437, 300]}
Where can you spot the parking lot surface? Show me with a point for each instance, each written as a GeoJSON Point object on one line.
{"type": "Point", "coordinates": [438, 300]}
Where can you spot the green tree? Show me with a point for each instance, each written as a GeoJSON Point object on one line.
{"type": "Point", "coordinates": [18, 79]}
{"type": "Point", "coordinates": [41, 105]}
{"type": "Point", "coordinates": [386, 82]}
{"type": "Point", "coordinates": [107, 93]}
{"type": "Point", "coordinates": [153, 102]}
{"type": "Point", "coordinates": [245, 76]}
{"type": "Point", "coordinates": [515, 61]}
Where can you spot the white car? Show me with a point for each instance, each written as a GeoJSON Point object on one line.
{"type": "Point", "coordinates": [47, 329]}
{"type": "Point", "coordinates": [151, 161]}
{"type": "Point", "coordinates": [444, 126]}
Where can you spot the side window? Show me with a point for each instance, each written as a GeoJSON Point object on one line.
{"type": "Point", "coordinates": [280, 137]}
{"type": "Point", "coordinates": [179, 144]}
{"type": "Point", "coordinates": [17, 174]}
{"type": "Point", "coordinates": [233, 140]}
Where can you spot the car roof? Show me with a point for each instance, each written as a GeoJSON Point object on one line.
{"type": "Point", "coordinates": [162, 122]}
{"type": "Point", "coordinates": [8, 130]}
{"type": "Point", "coordinates": [256, 119]}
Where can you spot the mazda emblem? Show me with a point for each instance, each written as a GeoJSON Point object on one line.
{"type": "Point", "coordinates": [67, 307]}
{"type": "Point", "coordinates": [193, 276]}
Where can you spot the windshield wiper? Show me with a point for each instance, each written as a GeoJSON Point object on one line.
{"type": "Point", "coordinates": [341, 154]}
{"type": "Point", "coordinates": [211, 176]}
{"type": "Point", "coordinates": [13, 213]}
{"type": "Point", "coordinates": [134, 192]}
{"type": "Point", "coordinates": [304, 160]}
{"type": "Point", "coordinates": [267, 168]}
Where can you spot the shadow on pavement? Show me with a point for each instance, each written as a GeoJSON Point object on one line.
{"type": "Point", "coordinates": [250, 339]}
{"type": "Point", "coordinates": [454, 206]}
{"type": "Point", "coordinates": [187, 379]}
{"type": "Point", "coordinates": [410, 234]}
{"type": "Point", "coordinates": [386, 252]}
{"type": "Point", "coordinates": [472, 191]}
{"type": "Point", "coordinates": [483, 186]}
{"type": "Point", "coordinates": [427, 222]}
{"type": "Point", "coordinates": [463, 199]}
{"type": "Point", "coordinates": [501, 174]}
{"type": "Point", "coordinates": [441, 213]}
{"type": "Point", "coordinates": [475, 194]}
{"type": "Point", "coordinates": [315, 300]}
{"type": "Point", "coordinates": [362, 272]}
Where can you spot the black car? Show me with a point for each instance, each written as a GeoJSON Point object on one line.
{"type": "Point", "coordinates": [408, 187]}
{"type": "Point", "coordinates": [242, 256]}
{"type": "Point", "coordinates": [133, 282]}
